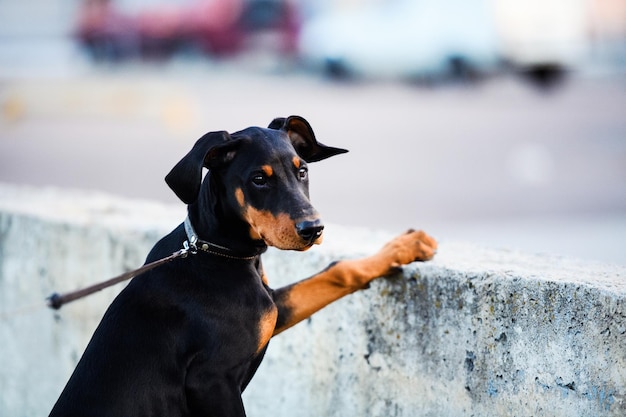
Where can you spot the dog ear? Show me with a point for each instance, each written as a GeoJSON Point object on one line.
{"type": "Point", "coordinates": [303, 139]}
{"type": "Point", "coordinates": [210, 151]}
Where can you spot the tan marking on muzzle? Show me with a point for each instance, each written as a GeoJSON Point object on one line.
{"type": "Point", "coordinates": [278, 231]}
{"type": "Point", "coordinates": [240, 198]}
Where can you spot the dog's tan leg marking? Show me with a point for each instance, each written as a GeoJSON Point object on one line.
{"type": "Point", "coordinates": [299, 301]}
{"type": "Point", "coordinates": [267, 326]}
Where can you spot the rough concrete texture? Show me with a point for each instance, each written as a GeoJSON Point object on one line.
{"type": "Point", "coordinates": [475, 332]}
{"type": "Point", "coordinates": [61, 241]}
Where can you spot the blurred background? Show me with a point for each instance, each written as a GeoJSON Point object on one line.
{"type": "Point", "coordinates": [499, 122]}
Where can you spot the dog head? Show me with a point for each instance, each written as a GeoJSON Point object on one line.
{"type": "Point", "coordinates": [260, 175]}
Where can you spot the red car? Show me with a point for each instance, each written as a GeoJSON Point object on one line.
{"type": "Point", "coordinates": [217, 27]}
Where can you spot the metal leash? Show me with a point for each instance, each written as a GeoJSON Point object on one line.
{"type": "Point", "coordinates": [190, 246]}
{"type": "Point", "coordinates": [56, 301]}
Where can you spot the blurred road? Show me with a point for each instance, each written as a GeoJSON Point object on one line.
{"type": "Point", "coordinates": [499, 162]}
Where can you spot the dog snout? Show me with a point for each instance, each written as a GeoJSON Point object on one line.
{"type": "Point", "coordinates": [310, 230]}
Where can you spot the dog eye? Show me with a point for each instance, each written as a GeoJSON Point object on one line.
{"type": "Point", "coordinates": [303, 174]}
{"type": "Point", "coordinates": [259, 179]}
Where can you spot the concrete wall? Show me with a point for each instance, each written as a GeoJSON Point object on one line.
{"type": "Point", "coordinates": [475, 332]}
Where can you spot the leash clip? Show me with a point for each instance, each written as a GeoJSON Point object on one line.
{"type": "Point", "coordinates": [189, 246]}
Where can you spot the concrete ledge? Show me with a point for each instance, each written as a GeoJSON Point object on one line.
{"type": "Point", "coordinates": [475, 332]}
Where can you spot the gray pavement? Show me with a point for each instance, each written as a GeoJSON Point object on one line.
{"type": "Point", "coordinates": [498, 163]}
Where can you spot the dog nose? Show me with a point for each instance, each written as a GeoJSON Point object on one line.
{"type": "Point", "coordinates": [309, 231]}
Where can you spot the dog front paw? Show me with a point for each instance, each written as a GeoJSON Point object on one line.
{"type": "Point", "coordinates": [409, 247]}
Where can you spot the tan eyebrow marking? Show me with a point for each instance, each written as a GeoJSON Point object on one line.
{"type": "Point", "coordinates": [268, 170]}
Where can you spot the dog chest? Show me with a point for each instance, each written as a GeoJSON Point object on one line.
{"type": "Point", "coordinates": [267, 324]}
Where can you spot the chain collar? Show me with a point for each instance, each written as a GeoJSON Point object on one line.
{"type": "Point", "coordinates": [193, 244]}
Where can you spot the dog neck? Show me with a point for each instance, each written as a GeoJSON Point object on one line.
{"type": "Point", "coordinates": [210, 224]}
{"type": "Point", "coordinates": [196, 244]}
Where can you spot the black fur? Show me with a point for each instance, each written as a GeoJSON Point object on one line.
{"type": "Point", "coordinates": [183, 339]}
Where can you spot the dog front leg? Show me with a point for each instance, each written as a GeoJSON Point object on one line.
{"type": "Point", "coordinates": [300, 300]}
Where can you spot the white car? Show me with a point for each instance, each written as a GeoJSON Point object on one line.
{"type": "Point", "coordinates": [418, 38]}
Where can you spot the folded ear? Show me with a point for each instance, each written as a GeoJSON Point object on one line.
{"type": "Point", "coordinates": [210, 151]}
{"type": "Point", "coordinates": [303, 139]}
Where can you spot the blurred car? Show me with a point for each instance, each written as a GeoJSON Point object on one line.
{"type": "Point", "coordinates": [216, 27]}
{"type": "Point", "coordinates": [543, 38]}
{"type": "Point", "coordinates": [411, 38]}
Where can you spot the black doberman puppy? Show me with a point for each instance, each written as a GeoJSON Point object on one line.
{"type": "Point", "coordinates": [186, 338]}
